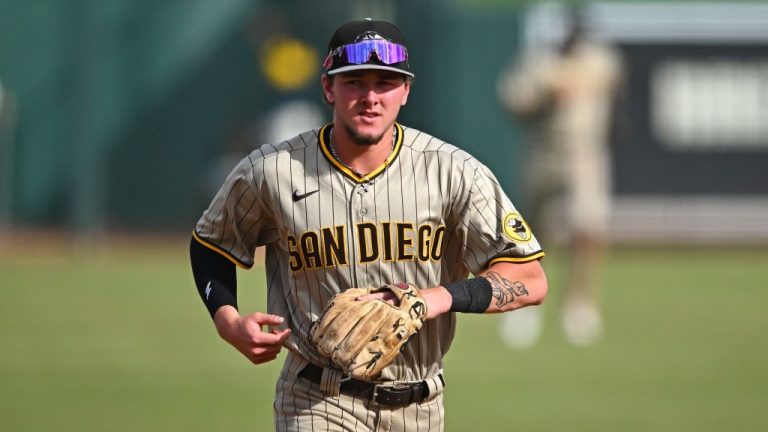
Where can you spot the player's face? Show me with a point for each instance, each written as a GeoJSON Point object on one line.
{"type": "Point", "coordinates": [366, 102]}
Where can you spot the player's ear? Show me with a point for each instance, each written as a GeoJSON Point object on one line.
{"type": "Point", "coordinates": [327, 84]}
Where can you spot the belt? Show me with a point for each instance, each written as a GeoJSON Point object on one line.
{"type": "Point", "coordinates": [381, 394]}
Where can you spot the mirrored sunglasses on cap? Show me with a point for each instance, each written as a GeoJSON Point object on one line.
{"type": "Point", "coordinates": [361, 52]}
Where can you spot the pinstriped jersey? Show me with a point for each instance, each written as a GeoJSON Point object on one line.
{"type": "Point", "coordinates": [431, 214]}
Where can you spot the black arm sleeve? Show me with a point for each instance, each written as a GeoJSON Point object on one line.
{"type": "Point", "coordinates": [215, 277]}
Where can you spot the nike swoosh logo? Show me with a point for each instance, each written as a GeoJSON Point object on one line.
{"type": "Point", "coordinates": [299, 197]}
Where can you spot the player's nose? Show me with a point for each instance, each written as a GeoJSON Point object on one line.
{"type": "Point", "coordinates": [369, 96]}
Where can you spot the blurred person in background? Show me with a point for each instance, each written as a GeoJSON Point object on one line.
{"type": "Point", "coordinates": [563, 98]}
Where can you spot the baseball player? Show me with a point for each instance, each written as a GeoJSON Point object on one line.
{"type": "Point", "coordinates": [564, 97]}
{"type": "Point", "coordinates": [362, 202]}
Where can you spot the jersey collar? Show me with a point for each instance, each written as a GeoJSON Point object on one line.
{"type": "Point", "coordinates": [325, 137]}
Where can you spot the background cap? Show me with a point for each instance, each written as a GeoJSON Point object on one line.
{"type": "Point", "coordinates": [355, 31]}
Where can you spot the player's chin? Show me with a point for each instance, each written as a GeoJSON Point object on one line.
{"type": "Point", "coordinates": [368, 135]}
{"type": "Point", "coordinates": [366, 140]}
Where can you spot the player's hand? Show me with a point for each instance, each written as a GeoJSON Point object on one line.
{"type": "Point", "coordinates": [246, 335]}
{"type": "Point", "coordinates": [438, 300]}
{"type": "Point", "coordinates": [385, 296]}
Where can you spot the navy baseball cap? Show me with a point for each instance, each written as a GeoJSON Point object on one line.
{"type": "Point", "coordinates": [367, 44]}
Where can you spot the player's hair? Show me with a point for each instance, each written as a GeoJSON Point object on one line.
{"type": "Point", "coordinates": [330, 82]}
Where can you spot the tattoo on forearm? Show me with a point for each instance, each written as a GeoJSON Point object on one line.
{"type": "Point", "coordinates": [505, 291]}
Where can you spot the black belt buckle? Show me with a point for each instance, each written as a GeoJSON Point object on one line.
{"type": "Point", "coordinates": [388, 395]}
{"type": "Point", "coordinates": [375, 395]}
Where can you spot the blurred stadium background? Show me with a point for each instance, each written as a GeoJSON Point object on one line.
{"type": "Point", "coordinates": [119, 119]}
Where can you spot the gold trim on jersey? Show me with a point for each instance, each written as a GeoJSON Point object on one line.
{"type": "Point", "coordinates": [323, 136]}
{"type": "Point", "coordinates": [220, 251]}
{"type": "Point", "coordinates": [525, 259]}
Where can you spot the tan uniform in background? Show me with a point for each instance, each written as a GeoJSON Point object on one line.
{"type": "Point", "coordinates": [564, 101]}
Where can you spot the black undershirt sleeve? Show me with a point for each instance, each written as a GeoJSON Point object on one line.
{"type": "Point", "coordinates": [215, 277]}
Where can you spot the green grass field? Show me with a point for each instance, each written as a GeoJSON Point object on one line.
{"type": "Point", "coordinates": [117, 340]}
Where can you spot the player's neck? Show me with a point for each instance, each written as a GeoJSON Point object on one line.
{"type": "Point", "coordinates": [360, 158]}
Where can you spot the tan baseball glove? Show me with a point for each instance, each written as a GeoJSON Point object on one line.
{"type": "Point", "coordinates": [362, 337]}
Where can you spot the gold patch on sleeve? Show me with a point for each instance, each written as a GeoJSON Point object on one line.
{"type": "Point", "coordinates": [515, 228]}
